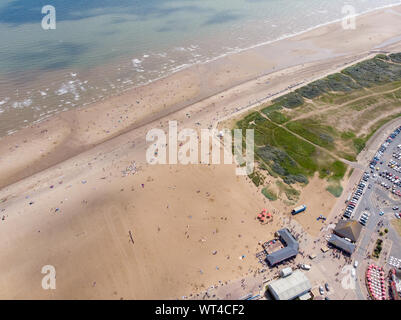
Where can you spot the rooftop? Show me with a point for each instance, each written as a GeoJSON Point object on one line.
{"type": "Point", "coordinates": [291, 287]}
{"type": "Point", "coordinates": [350, 229]}
{"type": "Point", "coordinates": [342, 244]}
{"type": "Point", "coordinates": [290, 250]}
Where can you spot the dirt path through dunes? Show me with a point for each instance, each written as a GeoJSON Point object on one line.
{"type": "Point", "coordinates": [335, 107]}
{"type": "Point", "coordinates": [347, 162]}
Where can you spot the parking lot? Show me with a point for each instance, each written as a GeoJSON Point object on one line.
{"type": "Point", "coordinates": [378, 194]}
{"type": "Point", "coordinates": [375, 201]}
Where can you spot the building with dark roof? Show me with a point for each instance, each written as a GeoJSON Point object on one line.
{"type": "Point", "coordinates": [342, 244]}
{"type": "Point", "coordinates": [290, 250]}
{"type": "Point", "coordinates": [349, 229]}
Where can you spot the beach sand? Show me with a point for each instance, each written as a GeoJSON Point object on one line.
{"type": "Point", "coordinates": [66, 203]}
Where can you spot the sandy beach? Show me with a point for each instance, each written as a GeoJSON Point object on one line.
{"type": "Point", "coordinates": [78, 194]}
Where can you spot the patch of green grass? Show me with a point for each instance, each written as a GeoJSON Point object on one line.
{"type": "Point", "coordinates": [257, 178]}
{"type": "Point", "coordinates": [271, 108]}
{"type": "Point", "coordinates": [335, 189]}
{"type": "Point", "coordinates": [337, 82]}
{"type": "Point", "coordinates": [338, 170]}
{"type": "Point", "coordinates": [272, 196]}
{"type": "Point", "coordinates": [290, 100]}
{"type": "Point", "coordinates": [291, 157]}
{"type": "Point", "coordinates": [359, 144]}
{"type": "Point", "coordinates": [378, 248]}
{"type": "Point", "coordinates": [373, 72]}
{"type": "Point", "coordinates": [291, 193]}
{"type": "Point", "coordinates": [313, 131]}
{"type": "Point", "coordinates": [347, 156]}
{"type": "Point", "coordinates": [382, 56]}
{"type": "Point", "coordinates": [277, 117]}
{"type": "Point", "coordinates": [395, 57]}
{"type": "Point", "coordinates": [347, 135]}
{"type": "Point", "coordinates": [363, 104]}
{"type": "Point", "coordinates": [264, 166]}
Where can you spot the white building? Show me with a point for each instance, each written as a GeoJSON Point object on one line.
{"type": "Point", "coordinates": [290, 287]}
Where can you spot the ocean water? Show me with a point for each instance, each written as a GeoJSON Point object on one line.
{"type": "Point", "coordinates": [102, 47]}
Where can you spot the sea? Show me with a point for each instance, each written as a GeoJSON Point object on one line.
{"type": "Point", "coordinates": [100, 48]}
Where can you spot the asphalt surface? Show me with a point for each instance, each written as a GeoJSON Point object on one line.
{"type": "Point", "coordinates": [376, 198]}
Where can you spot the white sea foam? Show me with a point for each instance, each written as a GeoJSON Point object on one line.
{"type": "Point", "coordinates": [136, 62]}
{"type": "Point", "coordinates": [4, 101]}
{"type": "Point", "coordinates": [22, 104]}
{"type": "Point", "coordinates": [69, 87]}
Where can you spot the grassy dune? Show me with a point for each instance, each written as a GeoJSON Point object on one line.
{"type": "Point", "coordinates": [317, 126]}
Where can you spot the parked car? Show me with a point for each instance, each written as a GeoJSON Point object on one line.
{"type": "Point", "coordinates": [326, 285]}
{"type": "Point", "coordinates": [321, 290]}
{"type": "Point", "coordinates": [305, 266]}
{"type": "Point", "coordinates": [356, 263]}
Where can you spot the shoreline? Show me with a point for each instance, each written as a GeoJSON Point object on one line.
{"type": "Point", "coordinates": [186, 66]}
{"type": "Point", "coordinates": [208, 61]}
{"type": "Point", "coordinates": [189, 87]}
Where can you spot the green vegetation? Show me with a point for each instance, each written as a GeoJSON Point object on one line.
{"type": "Point", "coordinates": [291, 193]}
{"type": "Point", "coordinates": [347, 135]}
{"type": "Point", "coordinates": [338, 170]}
{"type": "Point", "coordinates": [395, 57]}
{"type": "Point", "coordinates": [257, 178]}
{"type": "Point", "coordinates": [290, 100]}
{"type": "Point", "coordinates": [359, 144]}
{"type": "Point", "coordinates": [288, 156]}
{"type": "Point", "coordinates": [277, 117]}
{"type": "Point", "coordinates": [382, 56]}
{"type": "Point", "coordinates": [333, 83]}
{"type": "Point", "coordinates": [269, 194]}
{"type": "Point", "coordinates": [311, 129]}
{"type": "Point", "coordinates": [374, 72]}
{"type": "Point", "coordinates": [335, 189]}
{"type": "Point", "coordinates": [378, 248]}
